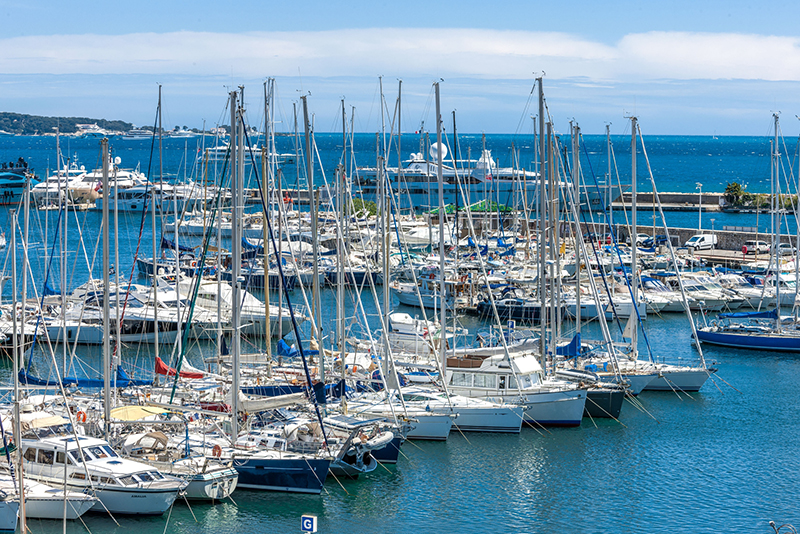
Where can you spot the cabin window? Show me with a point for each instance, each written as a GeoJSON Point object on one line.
{"type": "Point", "coordinates": [81, 476]}
{"type": "Point", "coordinates": [414, 398]}
{"type": "Point", "coordinates": [145, 477]}
{"type": "Point", "coordinates": [483, 380]}
{"type": "Point", "coordinates": [502, 382]}
{"type": "Point", "coordinates": [95, 479]}
{"type": "Point", "coordinates": [127, 481]}
{"type": "Point", "coordinates": [512, 382]}
{"type": "Point", "coordinates": [46, 457]}
{"type": "Point", "coordinates": [30, 455]}
{"type": "Point", "coordinates": [60, 456]}
{"type": "Point", "coordinates": [109, 451]}
{"type": "Point", "coordinates": [98, 452]}
{"type": "Point", "coordinates": [106, 480]}
{"type": "Point", "coordinates": [461, 379]}
{"type": "Point", "coordinates": [76, 457]}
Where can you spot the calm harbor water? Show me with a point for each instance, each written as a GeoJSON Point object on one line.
{"type": "Point", "coordinates": [721, 460]}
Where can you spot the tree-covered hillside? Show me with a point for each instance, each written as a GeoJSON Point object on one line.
{"type": "Point", "coordinates": [17, 123]}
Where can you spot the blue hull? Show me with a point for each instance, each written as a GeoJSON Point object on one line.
{"type": "Point", "coordinates": [771, 342]}
{"type": "Point", "coordinates": [390, 453]}
{"type": "Point", "coordinates": [295, 475]}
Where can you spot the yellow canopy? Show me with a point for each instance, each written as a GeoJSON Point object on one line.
{"type": "Point", "coordinates": [135, 413]}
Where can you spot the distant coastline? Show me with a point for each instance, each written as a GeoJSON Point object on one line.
{"type": "Point", "coordinates": [22, 124]}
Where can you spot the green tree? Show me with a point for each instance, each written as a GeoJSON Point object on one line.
{"type": "Point", "coordinates": [733, 193]}
{"type": "Point", "coordinates": [370, 207]}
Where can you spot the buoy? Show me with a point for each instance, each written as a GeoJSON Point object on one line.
{"type": "Point", "coordinates": [744, 249]}
{"type": "Point", "coordinates": [216, 451]}
{"type": "Point", "coordinates": [81, 416]}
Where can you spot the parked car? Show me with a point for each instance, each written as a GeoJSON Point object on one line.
{"type": "Point", "coordinates": [786, 249]}
{"type": "Point", "coordinates": [640, 238]}
{"type": "Point", "coordinates": [755, 247]}
{"type": "Point", "coordinates": [701, 242]}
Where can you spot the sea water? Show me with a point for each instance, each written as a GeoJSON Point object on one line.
{"type": "Point", "coordinates": [721, 460]}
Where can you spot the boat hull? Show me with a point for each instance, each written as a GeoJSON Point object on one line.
{"type": "Point", "coordinates": [294, 475]}
{"type": "Point", "coordinates": [604, 403]}
{"type": "Point", "coordinates": [766, 342]}
{"type": "Point", "coordinates": [679, 380]}
{"type": "Point", "coordinates": [9, 515]}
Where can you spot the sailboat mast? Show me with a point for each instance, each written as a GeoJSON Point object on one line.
{"type": "Point", "coordinates": [610, 188]}
{"type": "Point", "coordinates": [442, 288]}
{"type": "Point", "coordinates": [236, 260]}
{"type": "Point", "coordinates": [315, 303]}
{"type": "Point", "coordinates": [634, 264]}
{"type": "Point", "coordinates": [775, 222]}
{"type": "Point", "coordinates": [399, 176]}
{"type": "Point", "coordinates": [106, 330]}
{"type": "Point", "coordinates": [576, 132]}
{"type": "Point", "coordinates": [18, 337]}
{"type": "Point", "coordinates": [269, 179]}
{"type": "Point", "coordinates": [153, 224]}
{"type": "Point", "coordinates": [542, 227]}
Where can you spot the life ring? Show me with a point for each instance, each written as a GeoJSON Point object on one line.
{"type": "Point", "coordinates": [464, 278]}
{"type": "Point", "coordinates": [194, 263]}
{"type": "Point", "coordinates": [81, 416]}
{"type": "Point", "coordinates": [744, 249]}
{"type": "Point", "coordinates": [216, 451]}
{"type": "Point", "coordinates": [432, 276]}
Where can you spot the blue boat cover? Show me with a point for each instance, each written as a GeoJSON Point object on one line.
{"type": "Point", "coordinates": [123, 380]}
{"type": "Point", "coordinates": [572, 349]}
{"type": "Point", "coordinates": [771, 314]}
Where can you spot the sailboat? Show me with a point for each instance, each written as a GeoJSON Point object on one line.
{"type": "Point", "coordinates": [759, 330]}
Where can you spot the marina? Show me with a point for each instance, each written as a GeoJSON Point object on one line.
{"type": "Point", "coordinates": [373, 361]}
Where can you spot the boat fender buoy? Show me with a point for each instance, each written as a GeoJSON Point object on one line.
{"type": "Point", "coordinates": [81, 416]}
{"type": "Point", "coordinates": [744, 249]}
{"type": "Point", "coordinates": [216, 451]}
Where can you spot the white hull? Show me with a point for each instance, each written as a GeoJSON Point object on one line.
{"type": "Point", "coordinates": [133, 501]}
{"type": "Point", "coordinates": [638, 382]}
{"type": "Point", "coordinates": [679, 379]}
{"type": "Point", "coordinates": [215, 485]}
{"type": "Point", "coordinates": [40, 507]}
{"type": "Point", "coordinates": [497, 419]}
{"type": "Point", "coordinates": [425, 425]}
{"type": "Point", "coordinates": [552, 408]}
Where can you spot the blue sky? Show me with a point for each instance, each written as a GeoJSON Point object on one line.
{"type": "Point", "coordinates": [682, 67]}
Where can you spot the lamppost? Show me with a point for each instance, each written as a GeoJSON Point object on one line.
{"type": "Point", "coordinates": [700, 211]}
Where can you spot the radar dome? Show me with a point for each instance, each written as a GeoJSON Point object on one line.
{"type": "Point", "coordinates": [434, 151]}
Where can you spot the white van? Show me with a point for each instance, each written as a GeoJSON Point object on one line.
{"type": "Point", "coordinates": [701, 241]}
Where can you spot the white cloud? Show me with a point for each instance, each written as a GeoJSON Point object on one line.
{"type": "Point", "coordinates": [679, 55]}
{"type": "Point", "coordinates": [487, 54]}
